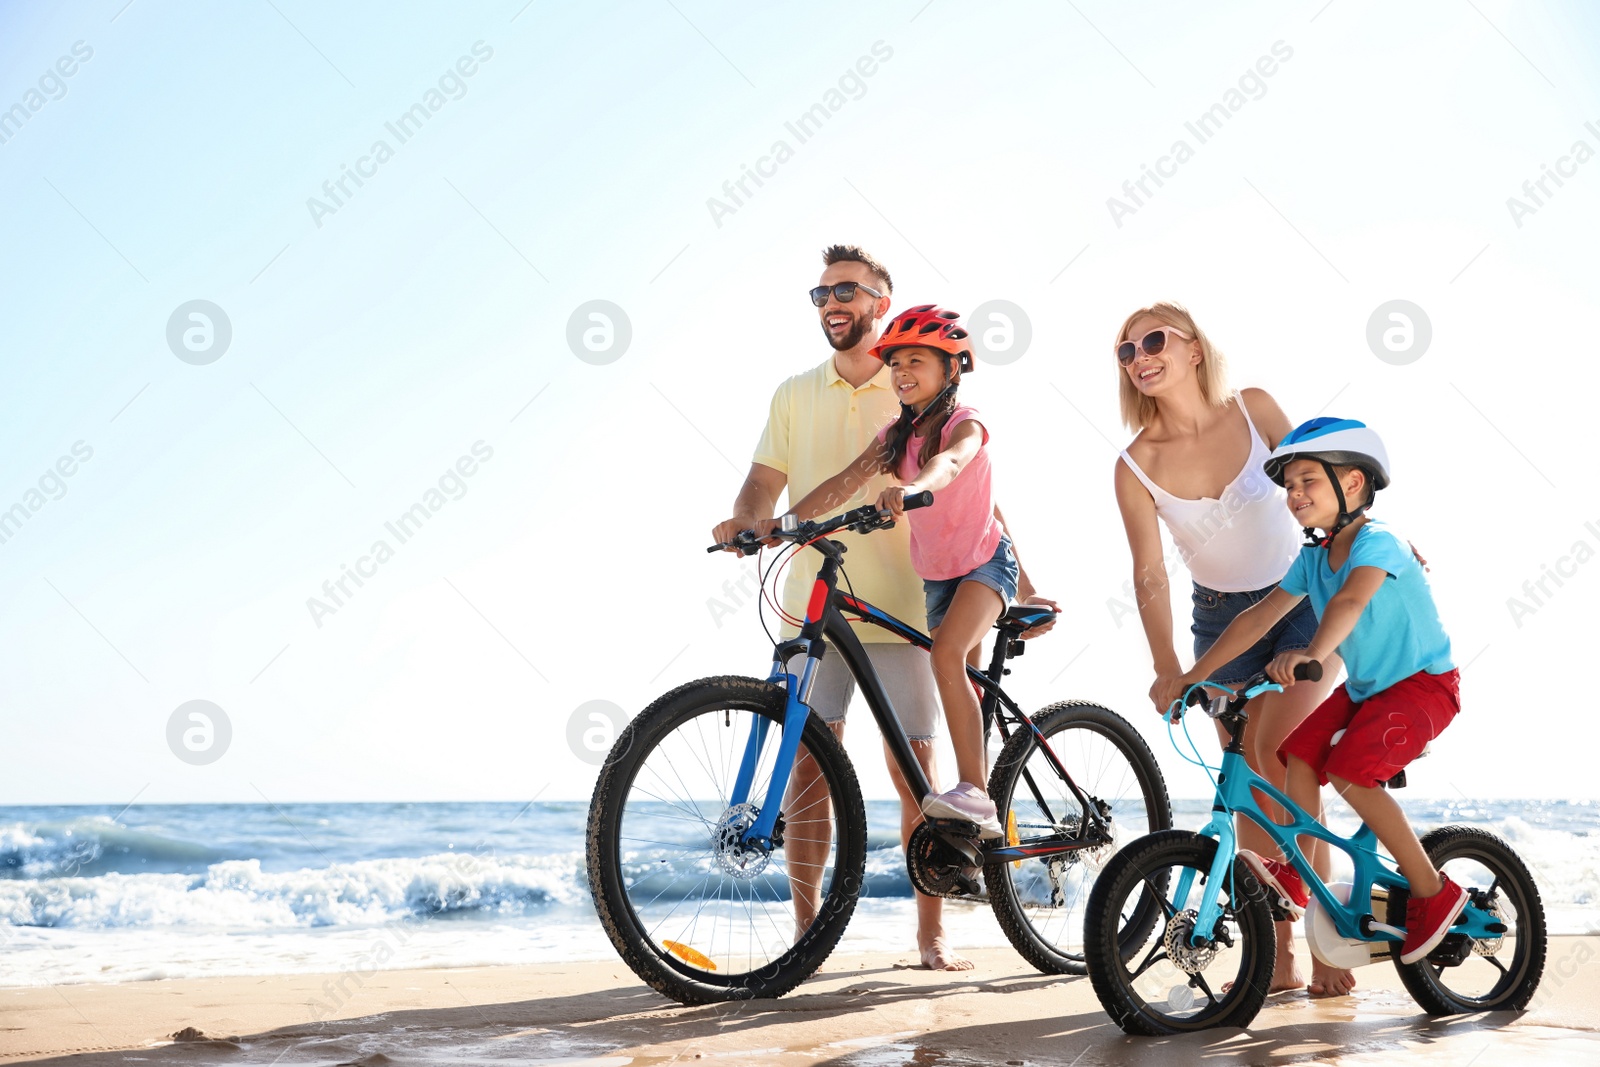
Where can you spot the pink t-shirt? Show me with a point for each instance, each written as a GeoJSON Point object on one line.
{"type": "Point", "coordinates": [958, 533]}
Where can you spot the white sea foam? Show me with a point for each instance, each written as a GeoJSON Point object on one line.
{"type": "Point", "coordinates": [239, 895]}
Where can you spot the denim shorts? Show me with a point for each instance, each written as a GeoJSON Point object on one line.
{"type": "Point", "coordinates": [999, 574]}
{"type": "Point", "coordinates": [1213, 611]}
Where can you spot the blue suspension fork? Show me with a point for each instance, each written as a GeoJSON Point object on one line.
{"type": "Point", "coordinates": [795, 713]}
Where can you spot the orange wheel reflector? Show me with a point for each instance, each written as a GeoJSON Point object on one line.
{"type": "Point", "coordinates": [690, 956]}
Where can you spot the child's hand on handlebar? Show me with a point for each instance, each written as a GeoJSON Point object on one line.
{"type": "Point", "coordinates": [1281, 669]}
{"type": "Point", "coordinates": [893, 500]}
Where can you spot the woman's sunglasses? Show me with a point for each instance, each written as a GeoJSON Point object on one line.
{"type": "Point", "coordinates": [844, 292]}
{"type": "Point", "coordinates": [1152, 345]}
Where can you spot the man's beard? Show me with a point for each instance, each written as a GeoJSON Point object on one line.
{"type": "Point", "coordinates": [859, 325]}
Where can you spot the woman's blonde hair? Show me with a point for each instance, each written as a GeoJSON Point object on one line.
{"type": "Point", "coordinates": [1139, 410]}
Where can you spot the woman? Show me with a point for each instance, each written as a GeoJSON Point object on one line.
{"type": "Point", "coordinates": [1196, 465]}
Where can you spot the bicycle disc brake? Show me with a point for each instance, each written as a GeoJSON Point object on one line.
{"type": "Point", "coordinates": [1190, 959]}
{"type": "Point", "coordinates": [733, 856]}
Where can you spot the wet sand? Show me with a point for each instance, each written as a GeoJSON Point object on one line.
{"type": "Point", "coordinates": [863, 1011]}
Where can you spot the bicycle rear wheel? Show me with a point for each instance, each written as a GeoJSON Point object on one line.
{"type": "Point", "coordinates": [1039, 901]}
{"type": "Point", "coordinates": [695, 915]}
{"type": "Point", "coordinates": [1463, 975]}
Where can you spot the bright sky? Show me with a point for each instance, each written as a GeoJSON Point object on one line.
{"type": "Point", "coordinates": [408, 336]}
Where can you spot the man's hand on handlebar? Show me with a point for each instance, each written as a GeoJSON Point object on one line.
{"type": "Point", "coordinates": [736, 533]}
{"type": "Point", "coordinates": [725, 532]}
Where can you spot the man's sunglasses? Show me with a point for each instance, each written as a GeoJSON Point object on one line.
{"type": "Point", "coordinates": [1152, 344]}
{"type": "Point", "coordinates": [844, 292]}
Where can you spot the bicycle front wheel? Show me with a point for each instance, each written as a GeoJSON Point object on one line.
{"type": "Point", "coordinates": [1039, 901]}
{"type": "Point", "coordinates": [696, 914]}
{"type": "Point", "coordinates": [1164, 983]}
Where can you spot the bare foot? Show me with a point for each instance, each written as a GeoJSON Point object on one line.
{"type": "Point", "coordinates": [1285, 975]}
{"type": "Point", "coordinates": [937, 955]}
{"type": "Point", "coordinates": [1329, 981]}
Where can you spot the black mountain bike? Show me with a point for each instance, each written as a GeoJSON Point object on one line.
{"type": "Point", "coordinates": [727, 838]}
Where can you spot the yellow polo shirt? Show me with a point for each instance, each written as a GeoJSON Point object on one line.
{"type": "Point", "coordinates": [817, 426]}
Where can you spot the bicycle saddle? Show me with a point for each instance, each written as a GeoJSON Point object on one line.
{"type": "Point", "coordinates": [1020, 617]}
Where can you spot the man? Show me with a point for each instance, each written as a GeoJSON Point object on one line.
{"type": "Point", "coordinates": [820, 421]}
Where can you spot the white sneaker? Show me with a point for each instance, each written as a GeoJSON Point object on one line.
{"type": "Point", "coordinates": [968, 803]}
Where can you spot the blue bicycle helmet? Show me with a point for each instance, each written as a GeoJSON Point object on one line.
{"type": "Point", "coordinates": [1334, 442]}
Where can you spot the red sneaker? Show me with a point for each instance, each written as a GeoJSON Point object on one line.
{"type": "Point", "coordinates": [1428, 920]}
{"type": "Point", "coordinates": [1278, 877]}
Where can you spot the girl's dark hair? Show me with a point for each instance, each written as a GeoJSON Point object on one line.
{"type": "Point", "coordinates": [933, 425]}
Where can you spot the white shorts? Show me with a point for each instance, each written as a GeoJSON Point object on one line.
{"type": "Point", "coordinates": [906, 672]}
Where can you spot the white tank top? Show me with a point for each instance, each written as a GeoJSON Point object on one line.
{"type": "Point", "coordinates": [1241, 542]}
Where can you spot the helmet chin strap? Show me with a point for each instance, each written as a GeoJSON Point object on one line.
{"type": "Point", "coordinates": [933, 406]}
{"type": "Point", "coordinates": [1346, 517]}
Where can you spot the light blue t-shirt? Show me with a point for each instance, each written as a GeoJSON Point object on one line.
{"type": "Point", "coordinates": [1399, 633]}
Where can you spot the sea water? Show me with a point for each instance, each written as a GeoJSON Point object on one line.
{"type": "Point", "coordinates": [99, 895]}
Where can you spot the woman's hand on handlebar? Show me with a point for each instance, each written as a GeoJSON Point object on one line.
{"type": "Point", "coordinates": [1281, 669]}
{"type": "Point", "coordinates": [1169, 686]}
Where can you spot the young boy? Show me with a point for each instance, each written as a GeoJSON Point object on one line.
{"type": "Point", "coordinates": [1374, 607]}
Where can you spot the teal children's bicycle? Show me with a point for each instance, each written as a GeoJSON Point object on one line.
{"type": "Point", "coordinates": [1210, 962]}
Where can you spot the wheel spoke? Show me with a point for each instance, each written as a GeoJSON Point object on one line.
{"type": "Point", "coordinates": [1156, 955]}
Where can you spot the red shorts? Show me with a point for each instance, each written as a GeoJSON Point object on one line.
{"type": "Point", "coordinates": [1381, 734]}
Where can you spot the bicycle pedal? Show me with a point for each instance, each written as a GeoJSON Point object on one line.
{"type": "Point", "coordinates": [958, 827]}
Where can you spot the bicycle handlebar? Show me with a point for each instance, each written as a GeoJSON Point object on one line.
{"type": "Point", "coordinates": [1310, 671]}
{"type": "Point", "coordinates": [864, 519]}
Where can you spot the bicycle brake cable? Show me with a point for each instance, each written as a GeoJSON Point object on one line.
{"type": "Point", "coordinates": [1199, 759]}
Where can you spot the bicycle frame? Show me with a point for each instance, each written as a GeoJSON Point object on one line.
{"type": "Point", "coordinates": [1236, 786]}
{"type": "Point", "coordinates": [825, 623]}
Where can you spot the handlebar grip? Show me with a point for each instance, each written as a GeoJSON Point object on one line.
{"type": "Point", "coordinates": [1310, 671]}
{"type": "Point", "coordinates": [744, 543]}
{"type": "Point", "coordinates": [917, 500]}
{"type": "Point", "coordinates": [1196, 698]}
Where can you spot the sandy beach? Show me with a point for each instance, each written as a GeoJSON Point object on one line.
{"type": "Point", "coordinates": [872, 1010]}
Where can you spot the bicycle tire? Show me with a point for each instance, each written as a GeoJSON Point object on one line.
{"type": "Point", "coordinates": [624, 806]}
{"type": "Point", "coordinates": [1510, 985]}
{"type": "Point", "coordinates": [1048, 935]}
{"type": "Point", "coordinates": [1135, 1001]}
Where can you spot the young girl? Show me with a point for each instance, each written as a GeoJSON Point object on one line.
{"type": "Point", "coordinates": [965, 560]}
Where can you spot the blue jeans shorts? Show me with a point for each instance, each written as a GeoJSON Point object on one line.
{"type": "Point", "coordinates": [999, 574]}
{"type": "Point", "coordinates": [1213, 611]}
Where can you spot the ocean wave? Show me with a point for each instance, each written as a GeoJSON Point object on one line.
{"type": "Point", "coordinates": [89, 846]}
{"type": "Point", "coordinates": [238, 894]}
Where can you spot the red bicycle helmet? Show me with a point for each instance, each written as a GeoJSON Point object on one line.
{"type": "Point", "coordinates": [931, 326]}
